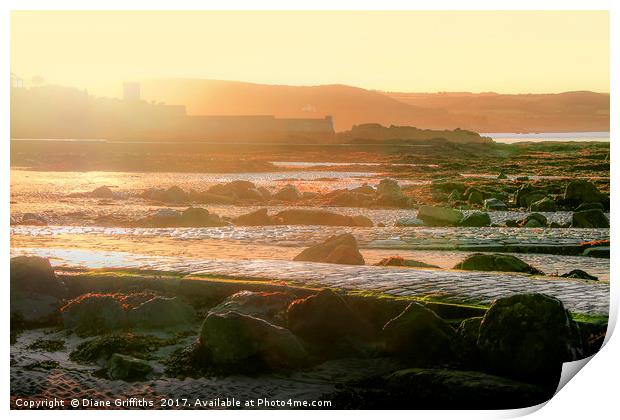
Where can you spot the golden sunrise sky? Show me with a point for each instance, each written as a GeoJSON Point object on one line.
{"type": "Point", "coordinates": [415, 51]}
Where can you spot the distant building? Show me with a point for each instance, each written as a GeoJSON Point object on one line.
{"type": "Point", "coordinates": [131, 91]}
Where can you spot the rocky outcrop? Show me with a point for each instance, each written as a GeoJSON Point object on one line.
{"type": "Point", "coordinates": [528, 194]}
{"type": "Point", "coordinates": [579, 274]}
{"type": "Point", "coordinates": [319, 217]}
{"type": "Point", "coordinates": [419, 335]}
{"type": "Point", "coordinates": [288, 193]}
{"type": "Point", "coordinates": [341, 249]}
{"type": "Point", "coordinates": [528, 337]}
{"type": "Point", "coordinates": [545, 204]}
{"type": "Point", "coordinates": [581, 191]}
{"type": "Point", "coordinates": [496, 262]}
{"type": "Point", "coordinates": [494, 204]}
{"type": "Point", "coordinates": [390, 194]}
{"type": "Point", "coordinates": [191, 217]}
{"type": "Point", "coordinates": [533, 220]}
{"type": "Point", "coordinates": [92, 314]}
{"type": "Point", "coordinates": [128, 368]}
{"type": "Point", "coordinates": [255, 218]}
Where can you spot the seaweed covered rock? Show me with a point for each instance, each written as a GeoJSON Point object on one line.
{"type": "Point", "coordinates": [243, 342]}
{"type": "Point", "coordinates": [160, 312]}
{"type": "Point", "coordinates": [533, 220]}
{"type": "Point", "coordinates": [199, 217]}
{"type": "Point", "coordinates": [102, 192]}
{"type": "Point", "coordinates": [102, 348]}
{"type": "Point", "coordinates": [528, 337]}
{"type": "Point", "coordinates": [528, 194]}
{"type": "Point", "coordinates": [476, 219]}
{"type": "Point", "coordinates": [341, 249]}
{"type": "Point", "coordinates": [465, 343]}
{"type": "Point", "coordinates": [92, 314]}
{"type": "Point", "coordinates": [419, 336]}
{"type": "Point", "coordinates": [439, 216]}
{"type": "Point", "coordinates": [403, 262]}
{"type": "Point", "coordinates": [594, 218]}
{"type": "Point", "coordinates": [128, 368]}
{"type": "Point", "coordinates": [579, 274]}
{"type": "Point", "coordinates": [270, 306]}
{"type": "Point", "coordinates": [324, 319]}
{"type": "Point", "coordinates": [496, 262]}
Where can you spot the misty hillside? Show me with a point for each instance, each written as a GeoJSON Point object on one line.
{"type": "Point", "coordinates": [487, 112]}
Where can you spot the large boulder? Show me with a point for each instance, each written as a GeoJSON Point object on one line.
{"type": "Point", "coordinates": [533, 220]}
{"type": "Point", "coordinates": [590, 206]}
{"type": "Point", "coordinates": [324, 319]}
{"type": "Point", "coordinates": [350, 199]}
{"type": "Point", "coordinates": [419, 335]}
{"type": "Point", "coordinates": [579, 274]}
{"type": "Point", "coordinates": [236, 189]}
{"type": "Point", "coordinates": [465, 343]}
{"type": "Point", "coordinates": [341, 249]}
{"type": "Point", "coordinates": [528, 337]}
{"type": "Point", "coordinates": [319, 217]}
{"type": "Point", "coordinates": [594, 218]}
{"type": "Point", "coordinates": [494, 204]}
{"type": "Point", "coordinates": [256, 218]}
{"type": "Point", "coordinates": [270, 306]}
{"type": "Point", "coordinates": [92, 314]}
{"type": "Point", "coordinates": [102, 192]}
{"type": "Point", "coordinates": [243, 342]}
{"type": "Point", "coordinates": [173, 194]}
{"type": "Point", "coordinates": [581, 191]}
{"type": "Point", "coordinates": [160, 312]}
{"type": "Point", "coordinates": [439, 216]}
{"type": "Point", "coordinates": [288, 193]}
{"type": "Point", "coordinates": [496, 262]}
{"type": "Point", "coordinates": [474, 196]}
{"type": "Point", "coordinates": [544, 204]}
{"type": "Point", "coordinates": [34, 275]}
{"type": "Point", "coordinates": [476, 219]}
{"type": "Point", "coordinates": [128, 368]}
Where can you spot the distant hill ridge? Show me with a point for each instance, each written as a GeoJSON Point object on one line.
{"type": "Point", "coordinates": [480, 112]}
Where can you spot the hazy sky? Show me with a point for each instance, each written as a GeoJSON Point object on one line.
{"type": "Point", "coordinates": [511, 52]}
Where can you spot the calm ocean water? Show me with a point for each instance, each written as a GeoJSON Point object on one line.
{"type": "Point", "coordinates": [540, 137]}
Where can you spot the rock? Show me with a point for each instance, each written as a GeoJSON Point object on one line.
{"type": "Point", "coordinates": [264, 192]}
{"type": "Point", "coordinates": [528, 337]}
{"type": "Point", "coordinates": [476, 219]}
{"type": "Point", "coordinates": [174, 194]}
{"type": "Point", "coordinates": [362, 221]}
{"type": "Point", "coordinates": [325, 319]}
{"type": "Point", "coordinates": [402, 262]}
{"type": "Point", "coordinates": [341, 249]}
{"type": "Point", "coordinates": [160, 312]}
{"type": "Point", "coordinates": [390, 194]}
{"type": "Point", "coordinates": [92, 314]}
{"type": "Point", "coordinates": [533, 220]}
{"type": "Point", "coordinates": [34, 275]}
{"type": "Point", "coordinates": [364, 189]}
{"type": "Point", "coordinates": [545, 204]}
{"type": "Point", "coordinates": [102, 192]}
{"type": "Point", "coordinates": [271, 307]}
{"type": "Point", "coordinates": [523, 178]}
{"type": "Point", "coordinates": [465, 344]}
{"type": "Point", "coordinates": [581, 191]}
{"type": "Point", "coordinates": [208, 198]}
{"type": "Point", "coordinates": [243, 342]}
{"type": "Point", "coordinates": [35, 291]}
{"type": "Point", "coordinates": [33, 219]}
{"type": "Point", "coordinates": [597, 252]}
{"type": "Point", "coordinates": [590, 206]}
{"type": "Point", "coordinates": [288, 193]}
{"type": "Point", "coordinates": [319, 217]}
{"type": "Point", "coordinates": [239, 189]}
{"type": "Point", "coordinates": [528, 194]}
{"type": "Point", "coordinates": [496, 262]}
{"type": "Point", "coordinates": [419, 336]}
{"type": "Point", "coordinates": [198, 217]}
{"type": "Point", "coordinates": [455, 196]}
{"type": "Point", "coordinates": [350, 199]}
{"type": "Point", "coordinates": [255, 218]}
{"type": "Point", "coordinates": [594, 218]}
{"type": "Point", "coordinates": [579, 274]}
{"type": "Point", "coordinates": [494, 204]}
{"type": "Point", "coordinates": [447, 186]}
{"type": "Point", "coordinates": [502, 175]}
{"type": "Point", "coordinates": [474, 196]}
{"type": "Point", "coordinates": [439, 216]}
{"type": "Point", "coordinates": [128, 368]}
